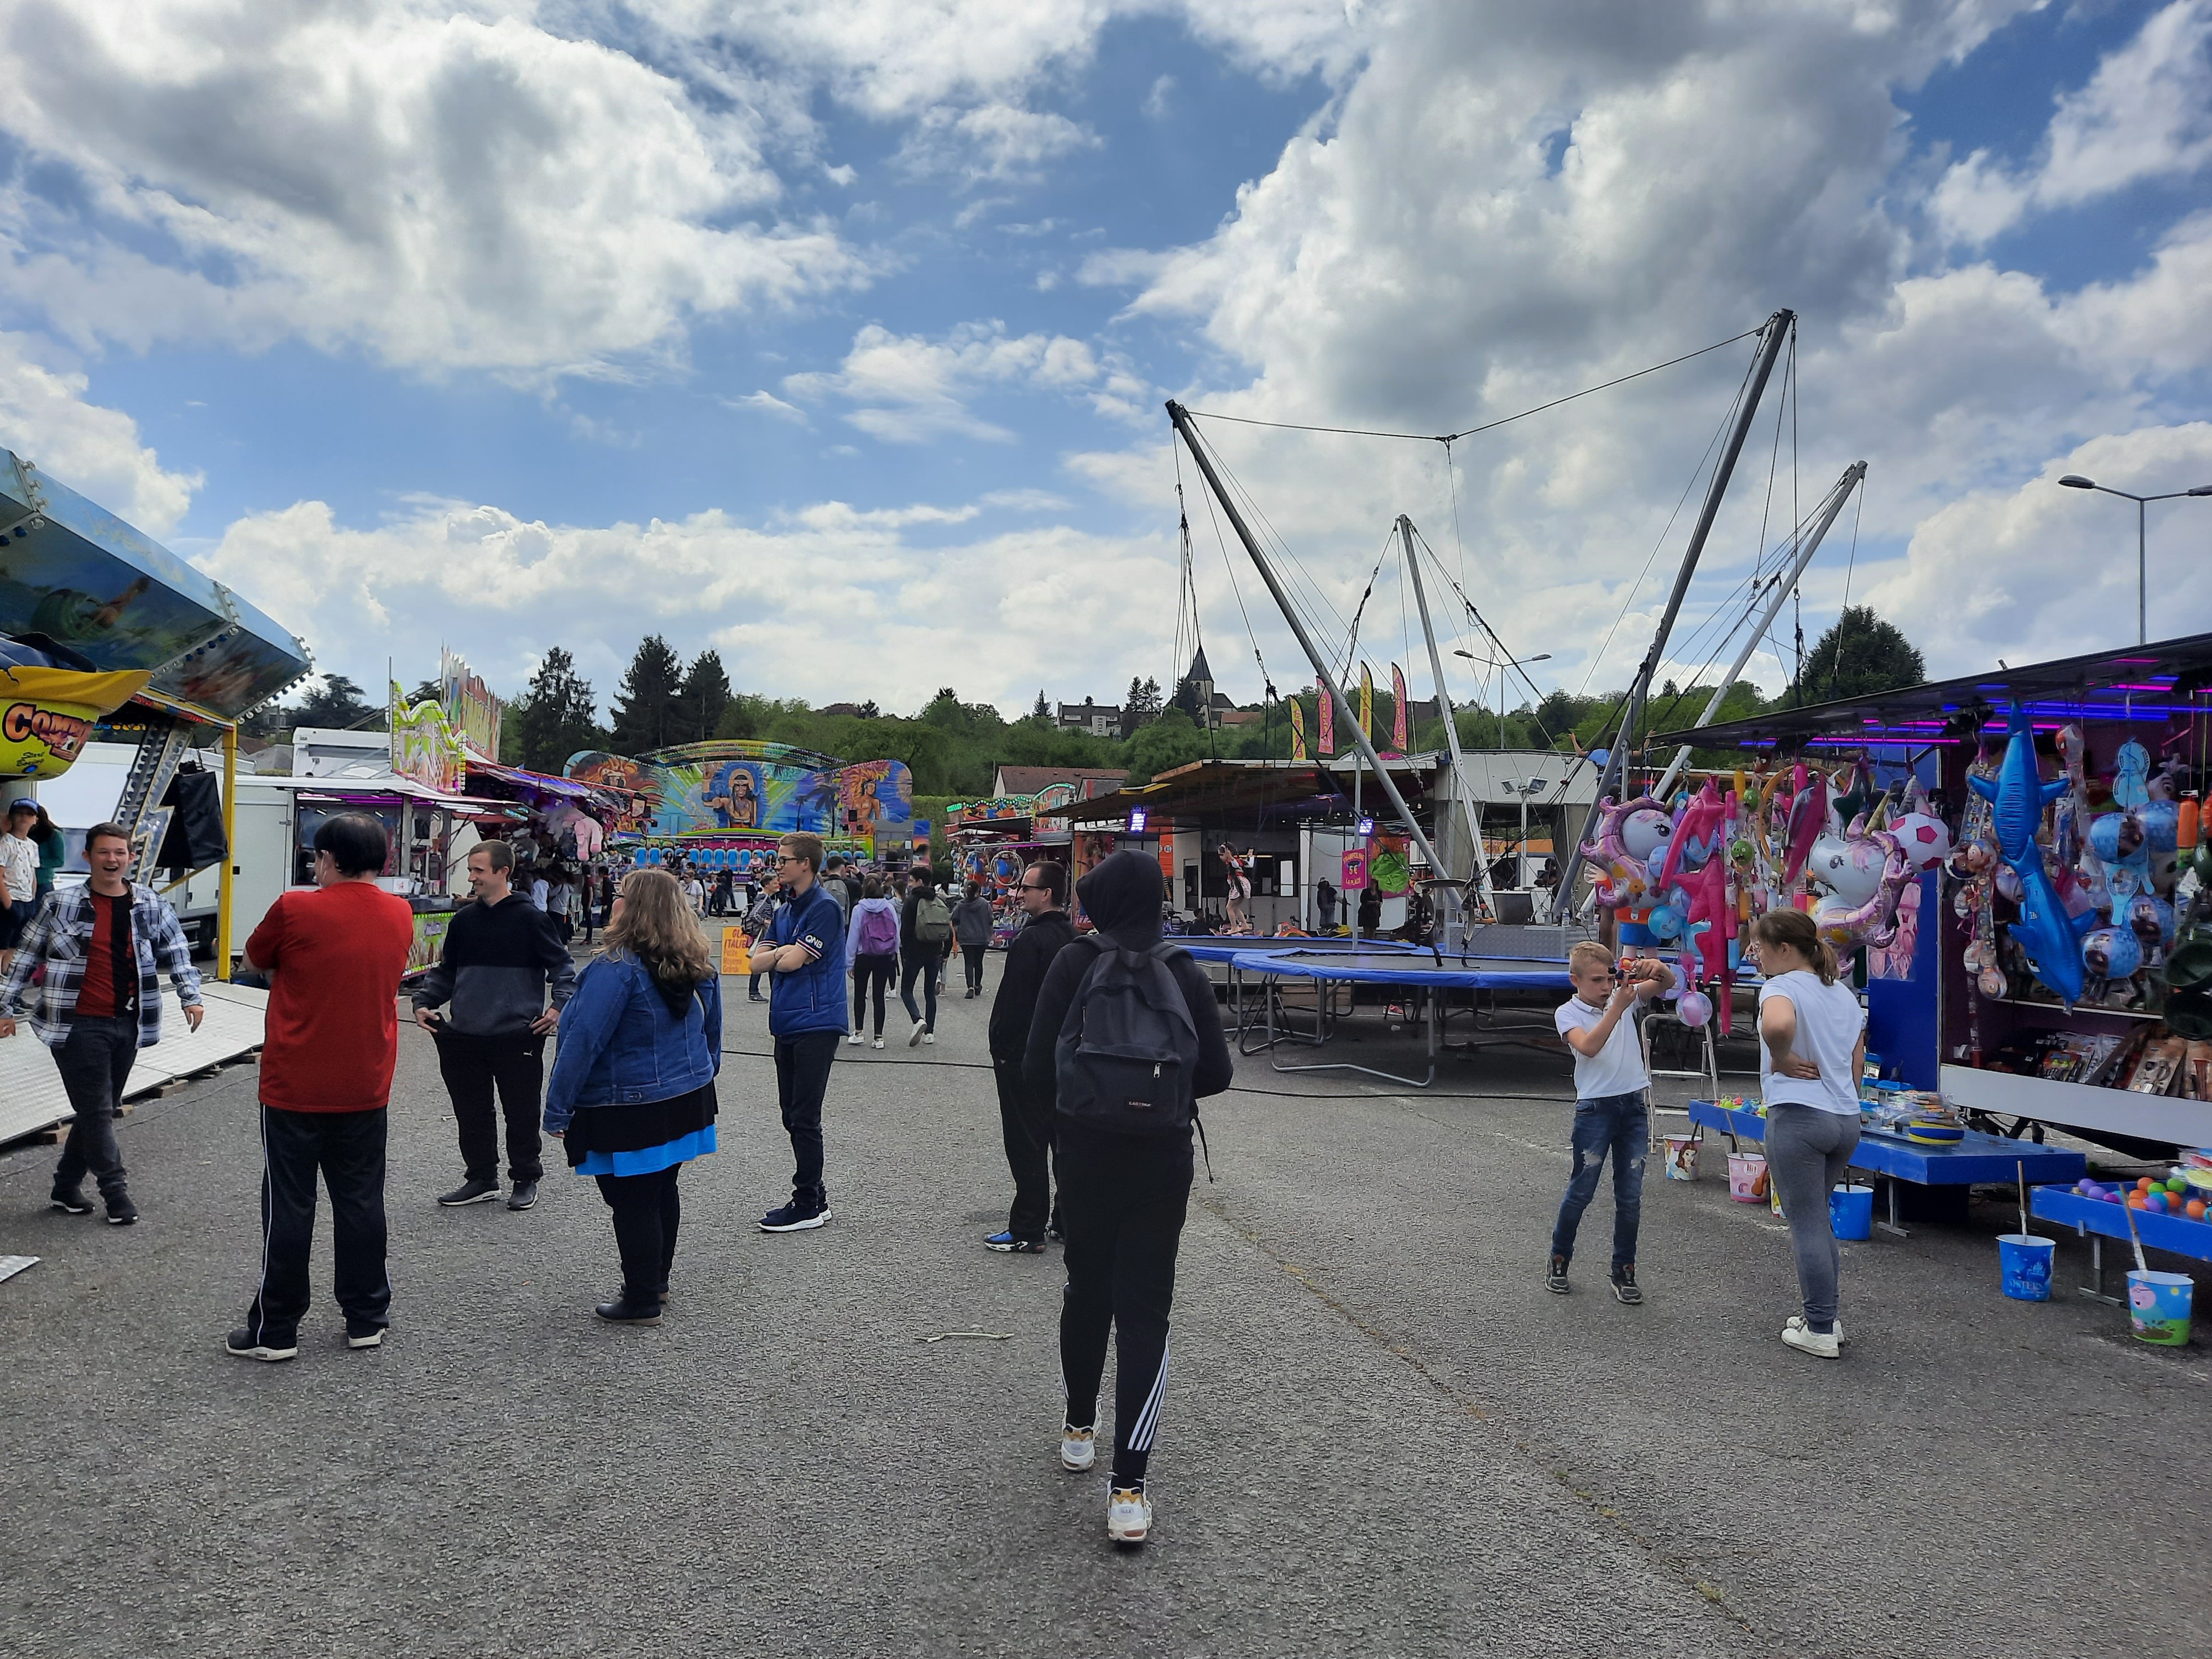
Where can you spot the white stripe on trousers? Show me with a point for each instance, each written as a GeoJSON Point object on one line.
{"type": "Point", "coordinates": [1148, 1419]}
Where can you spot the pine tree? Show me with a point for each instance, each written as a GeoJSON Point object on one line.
{"type": "Point", "coordinates": [700, 703]}
{"type": "Point", "coordinates": [1860, 655]}
{"type": "Point", "coordinates": [1042, 711]}
{"type": "Point", "coordinates": [555, 718]}
{"type": "Point", "coordinates": [647, 707]}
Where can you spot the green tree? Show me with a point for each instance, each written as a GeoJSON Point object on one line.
{"type": "Point", "coordinates": [705, 693]}
{"type": "Point", "coordinates": [1042, 710]}
{"type": "Point", "coordinates": [1170, 741]}
{"type": "Point", "coordinates": [554, 719]}
{"type": "Point", "coordinates": [1860, 655]}
{"type": "Point", "coordinates": [1140, 703]}
{"type": "Point", "coordinates": [651, 691]}
{"type": "Point", "coordinates": [337, 702]}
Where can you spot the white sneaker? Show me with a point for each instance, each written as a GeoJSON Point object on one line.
{"type": "Point", "coordinates": [1128, 1515]}
{"type": "Point", "coordinates": [857, 1038]}
{"type": "Point", "coordinates": [916, 1037]}
{"type": "Point", "coordinates": [1803, 1338]}
{"type": "Point", "coordinates": [1077, 1448]}
{"type": "Point", "coordinates": [930, 1037]}
{"type": "Point", "coordinates": [1799, 1322]}
{"type": "Point", "coordinates": [877, 1043]}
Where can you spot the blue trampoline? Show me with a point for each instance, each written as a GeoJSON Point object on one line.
{"type": "Point", "coordinates": [1427, 975]}
{"type": "Point", "coordinates": [1223, 950]}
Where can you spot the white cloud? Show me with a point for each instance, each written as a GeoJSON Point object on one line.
{"type": "Point", "coordinates": [767, 402]}
{"type": "Point", "coordinates": [875, 616]}
{"type": "Point", "coordinates": [996, 143]}
{"type": "Point", "coordinates": [2146, 113]}
{"type": "Point", "coordinates": [44, 418]}
{"type": "Point", "coordinates": [910, 389]}
{"type": "Point", "coordinates": [446, 189]}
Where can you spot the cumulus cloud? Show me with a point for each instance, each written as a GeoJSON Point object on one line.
{"type": "Point", "coordinates": [44, 418]}
{"type": "Point", "coordinates": [2146, 113]}
{"type": "Point", "coordinates": [447, 190]}
{"type": "Point", "coordinates": [910, 389]}
{"type": "Point", "coordinates": [996, 143]}
{"type": "Point", "coordinates": [875, 615]}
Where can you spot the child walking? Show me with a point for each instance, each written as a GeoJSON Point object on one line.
{"type": "Point", "coordinates": [1611, 1115]}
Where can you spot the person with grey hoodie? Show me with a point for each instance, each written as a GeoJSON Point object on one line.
{"type": "Point", "coordinates": [871, 946]}
{"type": "Point", "coordinates": [973, 921]}
{"type": "Point", "coordinates": [500, 958]}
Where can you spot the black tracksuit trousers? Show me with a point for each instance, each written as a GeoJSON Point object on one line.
{"type": "Point", "coordinates": [1026, 1126]}
{"type": "Point", "coordinates": [1122, 1200]}
{"type": "Point", "coordinates": [347, 1148]}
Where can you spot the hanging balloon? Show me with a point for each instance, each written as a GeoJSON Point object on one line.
{"type": "Point", "coordinates": [2111, 952]}
{"type": "Point", "coordinates": [1694, 1008]}
{"type": "Point", "coordinates": [1665, 921]}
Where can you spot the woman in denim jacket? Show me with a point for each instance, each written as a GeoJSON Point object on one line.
{"type": "Point", "coordinates": [632, 1094]}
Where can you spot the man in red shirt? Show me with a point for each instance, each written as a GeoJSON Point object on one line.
{"type": "Point", "coordinates": [334, 958]}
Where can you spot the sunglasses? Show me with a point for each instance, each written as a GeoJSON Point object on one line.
{"type": "Point", "coordinates": [1034, 887]}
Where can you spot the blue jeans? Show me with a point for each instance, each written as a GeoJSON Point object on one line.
{"type": "Point", "coordinates": [1616, 1124]}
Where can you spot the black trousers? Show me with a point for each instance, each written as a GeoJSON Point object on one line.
{"type": "Point", "coordinates": [1027, 1129]}
{"type": "Point", "coordinates": [973, 955]}
{"type": "Point", "coordinates": [1122, 1199]}
{"type": "Point", "coordinates": [802, 1078]}
{"type": "Point", "coordinates": [348, 1147]}
{"type": "Point", "coordinates": [870, 972]}
{"type": "Point", "coordinates": [646, 1214]}
{"type": "Point", "coordinates": [927, 961]}
{"type": "Point", "coordinates": [95, 1065]}
{"type": "Point", "coordinates": [472, 1067]}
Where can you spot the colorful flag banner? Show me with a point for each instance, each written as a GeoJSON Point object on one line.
{"type": "Point", "coordinates": [1398, 743]}
{"type": "Point", "coordinates": [1298, 729]}
{"type": "Point", "coordinates": [1367, 700]}
{"type": "Point", "coordinates": [1328, 724]}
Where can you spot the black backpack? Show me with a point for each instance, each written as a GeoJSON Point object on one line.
{"type": "Point", "coordinates": [1127, 1054]}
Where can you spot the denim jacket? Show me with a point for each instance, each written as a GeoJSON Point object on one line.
{"type": "Point", "coordinates": [619, 1045]}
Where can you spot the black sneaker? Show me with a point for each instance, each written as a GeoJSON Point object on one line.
{"type": "Point", "coordinates": [624, 1311]}
{"type": "Point", "coordinates": [469, 1192]}
{"type": "Point", "coordinates": [1007, 1244]}
{"type": "Point", "coordinates": [1555, 1277]}
{"type": "Point", "coordinates": [1623, 1285]}
{"type": "Point", "coordinates": [268, 1346]}
{"type": "Point", "coordinates": [794, 1218]}
{"type": "Point", "coordinates": [69, 1200]}
{"type": "Point", "coordinates": [524, 1195]}
{"type": "Point", "coordinates": [361, 1334]}
{"type": "Point", "coordinates": [121, 1211]}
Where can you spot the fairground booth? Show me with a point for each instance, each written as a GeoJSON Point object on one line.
{"type": "Point", "coordinates": [2050, 968]}
{"type": "Point", "coordinates": [111, 644]}
{"type": "Point", "coordinates": [994, 840]}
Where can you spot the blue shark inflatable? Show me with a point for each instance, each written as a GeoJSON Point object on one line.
{"type": "Point", "coordinates": [2017, 796]}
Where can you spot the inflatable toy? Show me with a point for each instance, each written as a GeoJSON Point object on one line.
{"type": "Point", "coordinates": [2049, 937]}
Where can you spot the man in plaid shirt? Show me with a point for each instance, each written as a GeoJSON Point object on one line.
{"type": "Point", "coordinates": [103, 946]}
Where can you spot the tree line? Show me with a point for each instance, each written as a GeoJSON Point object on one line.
{"type": "Point", "coordinates": [954, 747]}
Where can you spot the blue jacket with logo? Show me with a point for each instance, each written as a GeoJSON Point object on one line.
{"type": "Point", "coordinates": [620, 1045]}
{"type": "Point", "coordinates": [812, 997]}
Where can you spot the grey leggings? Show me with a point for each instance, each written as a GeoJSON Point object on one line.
{"type": "Point", "coordinates": [1808, 1152]}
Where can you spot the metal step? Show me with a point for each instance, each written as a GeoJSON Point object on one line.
{"type": "Point", "coordinates": [161, 748]}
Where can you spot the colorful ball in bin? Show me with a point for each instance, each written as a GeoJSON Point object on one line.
{"type": "Point", "coordinates": [2194, 1209]}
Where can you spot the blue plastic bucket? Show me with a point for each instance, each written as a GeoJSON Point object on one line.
{"type": "Point", "coordinates": [2158, 1306]}
{"type": "Point", "coordinates": [1850, 1211]}
{"type": "Point", "coordinates": [2025, 1260]}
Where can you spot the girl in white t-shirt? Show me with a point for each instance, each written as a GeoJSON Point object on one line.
{"type": "Point", "coordinates": [1812, 1043]}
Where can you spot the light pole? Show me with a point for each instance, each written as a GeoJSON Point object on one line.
{"type": "Point", "coordinates": [2076, 481]}
{"type": "Point", "coordinates": [1513, 662]}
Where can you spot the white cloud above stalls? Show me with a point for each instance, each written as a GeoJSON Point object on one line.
{"type": "Point", "coordinates": [45, 419]}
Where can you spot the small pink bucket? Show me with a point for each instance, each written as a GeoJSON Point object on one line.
{"type": "Point", "coordinates": [1748, 1177]}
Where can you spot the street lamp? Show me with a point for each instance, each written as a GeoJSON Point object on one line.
{"type": "Point", "coordinates": [2076, 481]}
{"type": "Point", "coordinates": [1512, 662]}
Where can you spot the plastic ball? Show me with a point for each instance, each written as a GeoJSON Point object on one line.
{"type": "Point", "coordinates": [2194, 1209]}
{"type": "Point", "coordinates": [1926, 840]}
{"type": "Point", "coordinates": [2142, 1184]}
{"type": "Point", "coordinates": [1695, 1008]}
{"type": "Point", "coordinates": [2112, 952]}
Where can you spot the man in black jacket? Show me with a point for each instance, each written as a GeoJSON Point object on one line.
{"type": "Point", "coordinates": [1025, 1119]}
{"type": "Point", "coordinates": [1122, 1198]}
{"type": "Point", "coordinates": [500, 955]}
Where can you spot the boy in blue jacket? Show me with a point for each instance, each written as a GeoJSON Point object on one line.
{"type": "Point", "coordinates": [805, 952]}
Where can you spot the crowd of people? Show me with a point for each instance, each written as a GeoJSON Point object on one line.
{"type": "Point", "coordinates": [1101, 1043]}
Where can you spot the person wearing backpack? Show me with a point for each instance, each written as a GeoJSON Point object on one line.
{"type": "Point", "coordinates": [872, 946]}
{"type": "Point", "coordinates": [925, 930]}
{"type": "Point", "coordinates": [1125, 1041]}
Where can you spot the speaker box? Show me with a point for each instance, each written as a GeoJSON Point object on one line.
{"type": "Point", "coordinates": [195, 838]}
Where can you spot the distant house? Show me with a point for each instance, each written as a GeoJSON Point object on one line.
{"type": "Point", "coordinates": [1218, 708]}
{"type": "Point", "coordinates": [1234, 716]}
{"type": "Point", "coordinates": [1099, 720]}
{"type": "Point", "coordinates": [1089, 781]}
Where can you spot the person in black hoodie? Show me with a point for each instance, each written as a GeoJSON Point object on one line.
{"type": "Point", "coordinates": [1122, 1199]}
{"type": "Point", "coordinates": [1026, 1120]}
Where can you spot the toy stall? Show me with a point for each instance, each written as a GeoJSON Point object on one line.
{"type": "Point", "coordinates": [2058, 954]}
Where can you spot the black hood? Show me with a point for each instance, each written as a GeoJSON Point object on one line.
{"type": "Point", "coordinates": [1122, 896]}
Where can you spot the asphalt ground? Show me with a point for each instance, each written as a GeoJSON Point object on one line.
{"type": "Point", "coordinates": [1383, 1435]}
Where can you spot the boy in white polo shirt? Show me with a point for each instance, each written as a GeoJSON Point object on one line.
{"type": "Point", "coordinates": [1599, 1022]}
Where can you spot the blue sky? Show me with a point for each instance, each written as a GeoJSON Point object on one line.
{"type": "Point", "coordinates": [837, 338]}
